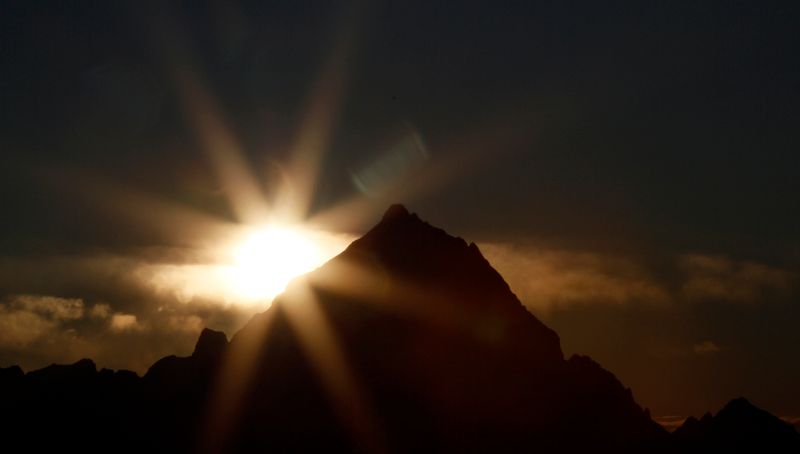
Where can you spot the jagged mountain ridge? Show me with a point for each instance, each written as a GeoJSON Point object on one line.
{"type": "Point", "coordinates": [738, 426]}
{"type": "Point", "coordinates": [407, 340]}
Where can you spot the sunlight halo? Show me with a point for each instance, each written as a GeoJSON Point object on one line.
{"type": "Point", "coordinates": [269, 257]}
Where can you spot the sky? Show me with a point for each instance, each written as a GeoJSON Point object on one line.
{"type": "Point", "coordinates": [630, 168]}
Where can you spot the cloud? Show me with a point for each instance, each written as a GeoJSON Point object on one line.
{"type": "Point", "coordinates": [26, 318]}
{"type": "Point", "coordinates": [19, 328]}
{"type": "Point", "coordinates": [50, 306]}
{"type": "Point", "coordinates": [187, 282]}
{"type": "Point", "coordinates": [705, 348]}
{"type": "Point", "coordinates": [63, 308]}
{"type": "Point", "coordinates": [185, 323]}
{"type": "Point", "coordinates": [102, 279]}
{"type": "Point", "coordinates": [723, 279]}
{"type": "Point", "coordinates": [100, 311]}
{"type": "Point", "coordinates": [544, 277]}
{"type": "Point", "coordinates": [125, 322]}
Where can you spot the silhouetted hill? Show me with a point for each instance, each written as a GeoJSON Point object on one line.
{"type": "Point", "coordinates": [739, 426]}
{"type": "Point", "coordinates": [407, 341]}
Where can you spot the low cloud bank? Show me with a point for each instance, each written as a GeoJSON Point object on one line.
{"type": "Point", "coordinates": [547, 278]}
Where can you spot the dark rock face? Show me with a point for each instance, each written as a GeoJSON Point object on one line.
{"type": "Point", "coordinates": [738, 427]}
{"type": "Point", "coordinates": [407, 341]}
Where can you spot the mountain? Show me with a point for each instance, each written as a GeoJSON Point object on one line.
{"type": "Point", "coordinates": [407, 341]}
{"type": "Point", "coordinates": [423, 344]}
{"type": "Point", "coordinates": [739, 426]}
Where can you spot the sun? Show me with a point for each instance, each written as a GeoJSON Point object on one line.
{"type": "Point", "coordinates": [269, 257]}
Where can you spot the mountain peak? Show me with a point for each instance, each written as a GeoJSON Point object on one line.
{"type": "Point", "coordinates": [395, 212]}
{"type": "Point", "coordinates": [739, 426]}
{"type": "Point", "coordinates": [210, 344]}
{"type": "Point", "coordinates": [740, 404]}
{"type": "Point", "coordinates": [419, 268]}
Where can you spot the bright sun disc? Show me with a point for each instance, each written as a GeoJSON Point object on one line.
{"type": "Point", "coordinates": [271, 257]}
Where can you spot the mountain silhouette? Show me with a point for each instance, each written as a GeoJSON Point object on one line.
{"type": "Point", "coordinates": [407, 341]}
{"type": "Point", "coordinates": [739, 426]}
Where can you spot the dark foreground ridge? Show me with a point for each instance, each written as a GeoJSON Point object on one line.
{"type": "Point", "coordinates": [407, 341]}
{"type": "Point", "coordinates": [738, 427]}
